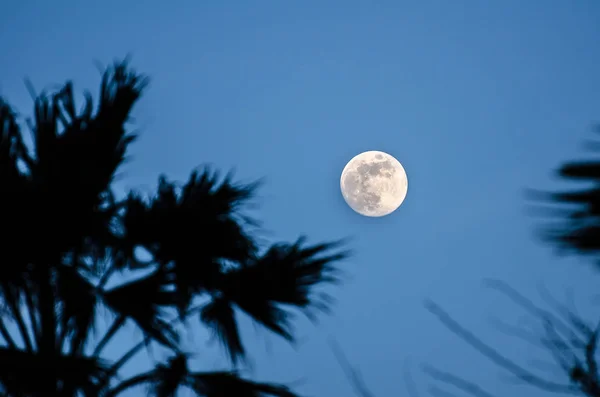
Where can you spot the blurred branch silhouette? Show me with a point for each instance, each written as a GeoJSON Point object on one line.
{"type": "Point", "coordinates": [71, 250]}
{"type": "Point", "coordinates": [352, 373]}
{"type": "Point", "coordinates": [574, 226]}
{"type": "Point", "coordinates": [354, 376]}
{"type": "Point", "coordinates": [571, 341]}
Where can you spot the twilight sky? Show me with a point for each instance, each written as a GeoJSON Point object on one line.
{"type": "Point", "coordinates": [477, 99]}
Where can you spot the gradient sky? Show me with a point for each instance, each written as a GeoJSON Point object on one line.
{"type": "Point", "coordinates": [477, 99]}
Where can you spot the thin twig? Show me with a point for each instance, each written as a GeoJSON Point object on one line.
{"type": "Point", "coordinates": [460, 383]}
{"type": "Point", "coordinates": [496, 357]}
{"type": "Point", "coordinates": [351, 373]}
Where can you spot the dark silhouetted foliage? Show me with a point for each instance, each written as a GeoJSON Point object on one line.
{"type": "Point", "coordinates": [570, 341]}
{"type": "Point", "coordinates": [576, 224]}
{"type": "Point", "coordinates": [67, 237]}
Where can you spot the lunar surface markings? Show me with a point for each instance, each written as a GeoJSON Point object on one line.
{"type": "Point", "coordinates": [374, 183]}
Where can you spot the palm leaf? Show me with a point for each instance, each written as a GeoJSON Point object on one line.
{"type": "Point", "coordinates": [195, 232]}
{"type": "Point", "coordinates": [227, 384]}
{"type": "Point", "coordinates": [78, 302]}
{"type": "Point", "coordinates": [143, 301]}
{"type": "Point", "coordinates": [167, 378]}
{"type": "Point", "coordinates": [10, 136]}
{"type": "Point", "coordinates": [76, 157]}
{"type": "Point", "coordinates": [265, 288]}
{"type": "Point", "coordinates": [585, 170]}
{"type": "Point", "coordinates": [219, 316]}
{"type": "Point", "coordinates": [577, 228]}
{"type": "Point", "coordinates": [286, 274]}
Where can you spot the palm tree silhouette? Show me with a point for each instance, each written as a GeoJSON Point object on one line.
{"type": "Point", "coordinates": [67, 236]}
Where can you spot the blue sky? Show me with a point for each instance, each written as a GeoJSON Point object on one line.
{"type": "Point", "coordinates": [477, 99]}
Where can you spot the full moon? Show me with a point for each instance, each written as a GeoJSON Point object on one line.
{"type": "Point", "coordinates": [374, 183]}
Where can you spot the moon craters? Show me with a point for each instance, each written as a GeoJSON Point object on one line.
{"type": "Point", "coordinates": [360, 193]}
{"type": "Point", "coordinates": [374, 183]}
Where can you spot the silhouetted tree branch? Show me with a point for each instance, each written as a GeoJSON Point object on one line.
{"type": "Point", "coordinates": [353, 375]}
{"type": "Point", "coordinates": [569, 339]}
{"type": "Point", "coordinates": [552, 341]}
{"type": "Point", "coordinates": [460, 383]}
{"type": "Point", "coordinates": [355, 378]}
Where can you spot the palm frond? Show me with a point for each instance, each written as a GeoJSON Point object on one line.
{"type": "Point", "coordinates": [143, 301]}
{"type": "Point", "coordinates": [78, 302]}
{"type": "Point", "coordinates": [226, 384]}
{"type": "Point", "coordinates": [167, 378]}
{"type": "Point", "coordinates": [120, 89]}
{"type": "Point", "coordinates": [286, 275]}
{"type": "Point", "coordinates": [76, 157]}
{"type": "Point", "coordinates": [10, 137]}
{"type": "Point", "coordinates": [219, 316]}
{"type": "Point", "coordinates": [584, 170]}
{"type": "Point", "coordinates": [194, 232]}
{"type": "Point", "coordinates": [577, 228]}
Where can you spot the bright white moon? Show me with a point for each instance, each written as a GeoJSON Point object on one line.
{"type": "Point", "coordinates": [374, 183]}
